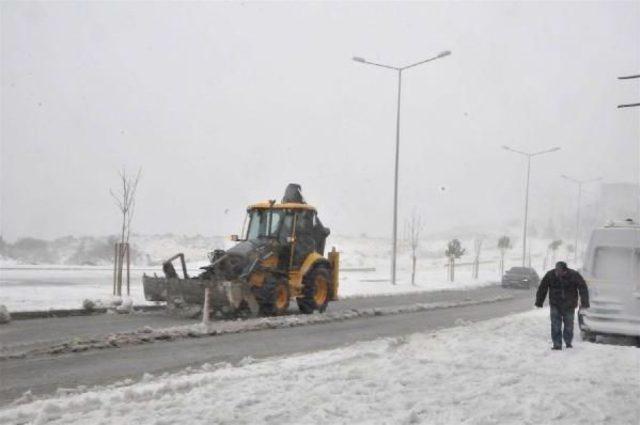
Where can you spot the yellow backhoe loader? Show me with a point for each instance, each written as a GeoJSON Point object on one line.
{"type": "Point", "coordinates": [278, 257]}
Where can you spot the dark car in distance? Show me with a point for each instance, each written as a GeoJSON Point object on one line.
{"type": "Point", "coordinates": [520, 277]}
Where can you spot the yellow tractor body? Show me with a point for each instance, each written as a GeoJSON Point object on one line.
{"type": "Point", "coordinates": [279, 257]}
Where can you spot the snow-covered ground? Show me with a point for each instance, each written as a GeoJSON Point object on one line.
{"type": "Point", "coordinates": [28, 289]}
{"type": "Point", "coordinates": [25, 287]}
{"type": "Point", "coordinates": [495, 372]}
{"type": "Point", "coordinates": [44, 288]}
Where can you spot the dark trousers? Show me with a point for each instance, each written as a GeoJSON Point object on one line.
{"type": "Point", "coordinates": [561, 316]}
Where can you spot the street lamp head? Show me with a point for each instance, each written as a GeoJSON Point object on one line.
{"type": "Point", "coordinates": [358, 59]}
{"type": "Point", "coordinates": [554, 149]}
{"type": "Point", "coordinates": [506, 148]}
{"type": "Point", "coordinates": [444, 53]}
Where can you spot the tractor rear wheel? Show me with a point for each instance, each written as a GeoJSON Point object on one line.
{"type": "Point", "coordinates": [316, 291]}
{"type": "Point", "coordinates": [275, 299]}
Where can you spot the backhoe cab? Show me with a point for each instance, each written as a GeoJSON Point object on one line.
{"type": "Point", "coordinates": [279, 257]}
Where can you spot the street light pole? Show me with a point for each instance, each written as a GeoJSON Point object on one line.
{"type": "Point", "coordinates": [526, 212]}
{"type": "Point", "coordinates": [526, 197]}
{"type": "Point", "coordinates": [395, 186]}
{"type": "Point", "coordinates": [399, 70]}
{"type": "Point", "coordinates": [631, 105]}
{"type": "Point", "coordinates": [575, 244]}
{"type": "Point", "coordinates": [579, 183]}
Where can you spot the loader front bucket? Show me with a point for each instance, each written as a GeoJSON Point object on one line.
{"type": "Point", "coordinates": [185, 297]}
{"type": "Point", "coordinates": [155, 288]}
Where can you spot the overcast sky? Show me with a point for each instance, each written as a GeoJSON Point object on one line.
{"type": "Point", "coordinates": [223, 104]}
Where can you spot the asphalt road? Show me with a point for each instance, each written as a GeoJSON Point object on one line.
{"type": "Point", "coordinates": [44, 374]}
{"type": "Point", "coordinates": [24, 335]}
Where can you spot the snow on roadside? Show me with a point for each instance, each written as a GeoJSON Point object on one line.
{"type": "Point", "coordinates": [29, 289]}
{"type": "Point", "coordinates": [42, 289]}
{"type": "Point", "coordinates": [495, 372]}
{"type": "Point", "coordinates": [359, 284]}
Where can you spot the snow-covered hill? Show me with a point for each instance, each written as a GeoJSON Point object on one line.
{"type": "Point", "coordinates": [360, 251]}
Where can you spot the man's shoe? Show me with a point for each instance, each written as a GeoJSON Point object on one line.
{"type": "Point", "coordinates": [569, 346]}
{"type": "Point", "coordinates": [555, 347]}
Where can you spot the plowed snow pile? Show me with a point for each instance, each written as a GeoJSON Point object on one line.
{"type": "Point", "coordinates": [496, 372]}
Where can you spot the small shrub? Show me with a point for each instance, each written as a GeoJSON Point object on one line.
{"type": "Point", "coordinates": [5, 317]}
{"type": "Point", "coordinates": [88, 305]}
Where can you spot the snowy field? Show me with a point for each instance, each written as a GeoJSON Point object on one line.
{"type": "Point", "coordinates": [44, 287]}
{"type": "Point", "coordinates": [495, 372]}
{"type": "Point", "coordinates": [28, 289]}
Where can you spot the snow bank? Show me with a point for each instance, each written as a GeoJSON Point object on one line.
{"type": "Point", "coordinates": [496, 372]}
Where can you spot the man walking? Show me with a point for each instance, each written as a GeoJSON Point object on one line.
{"type": "Point", "coordinates": [563, 285]}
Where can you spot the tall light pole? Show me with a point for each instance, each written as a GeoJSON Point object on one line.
{"type": "Point", "coordinates": [579, 183]}
{"type": "Point", "coordinates": [399, 70]}
{"type": "Point", "coordinates": [526, 198]}
{"type": "Point", "coordinates": [632, 105]}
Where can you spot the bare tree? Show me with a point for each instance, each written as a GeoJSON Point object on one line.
{"type": "Point", "coordinates": [414, 228]}
{"type": "Point", "coordinates": [453, 252]}
{"type": "Point", "coordinates": [125, 200]}
{"type": "Point", "coordinates": [570, 248]}
{"type": "Point", "coordinates": [477, 249]}
{"type": "Point", "coordinates": [504, 243]}
{"type": "Point", "coordinates": [553, 246]}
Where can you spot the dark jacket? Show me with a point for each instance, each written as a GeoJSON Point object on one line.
{"type": "Point", "coordinates": [563, 291]}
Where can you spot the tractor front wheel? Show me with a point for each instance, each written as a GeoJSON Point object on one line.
{"type": "Point", "coordinates": [316, 291]}
{"type": "Point", "coordinates": [275, 299]}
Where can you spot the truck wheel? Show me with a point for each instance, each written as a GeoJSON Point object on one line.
{"type": "Point", "coordinates": [587, 336]}
{"type": "Point", "coordinates": [316, 289]}
{"type": "Point", "coordinates": [275, 298]}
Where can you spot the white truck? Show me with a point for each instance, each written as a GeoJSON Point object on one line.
{"type": "Point", "coordinates": [612, 271]}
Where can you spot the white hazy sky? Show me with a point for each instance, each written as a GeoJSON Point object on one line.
{"type": "Point", "coordinates": [223, 104]}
